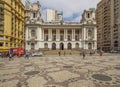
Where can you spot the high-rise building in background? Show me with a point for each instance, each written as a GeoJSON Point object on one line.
{"type": "Point", "coordinates": [115, 25]}
{"type": "Point", "coordinates": [11, 24]}
{"type": "Point", "coordinates": [108, 25]}
{"type": "Point", "coordinates": [53, 16]}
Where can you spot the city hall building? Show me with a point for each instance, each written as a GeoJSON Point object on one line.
{"type": "Point", "coordinates": [54, 33]}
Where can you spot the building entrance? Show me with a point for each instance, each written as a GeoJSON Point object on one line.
{"type": "Point", "coordinates": [89, 46]}
{"type": "Point", "coordinates": [69, 46]}
{"type": "Point", "coordinates": [53, 46]}
{"type": "Point", "coordinates": [61, 46]}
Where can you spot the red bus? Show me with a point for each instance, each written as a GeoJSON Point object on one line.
{"type": "Point", "coordinates": [18, 51]}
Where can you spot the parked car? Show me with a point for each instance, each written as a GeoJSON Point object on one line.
{"type": "Point", "coordinates": [37, 54]}
{"type": "Point", "coordinates": [114, 51]}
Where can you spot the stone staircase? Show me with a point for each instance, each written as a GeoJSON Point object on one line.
{"type": "Point", "coordinates": [67, 52]}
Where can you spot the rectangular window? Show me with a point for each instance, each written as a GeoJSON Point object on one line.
{"type": "Point", "coordinates": [33, 33]}
{"type": "Point", "coordinates": [61, 38]}
{"type": "Point", "coordinates": [77, 37]}
{"type": "Point", "coordinates": [1, 31]}
{"type": "Point", "coordinates": [32, 46]}
{"type": "Point", "coordinates": [46, 37]}
{"type": "Point", "coordinates": [1, 44]}
{"type": "Point", "coordinates": [1, 37]}
{"type": "Point", "coordinates": [10, 44]}
{"type": "Point", "coordinates": [34, 15]}
{"type": "Point", "coordinates": [6, 44]}
{"type": "Point", "coordinates": [54, 37]}
{"type": "Point", "coordinates": [69, 38]}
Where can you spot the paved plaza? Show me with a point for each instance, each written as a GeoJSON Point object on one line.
{"type": "Point", "coordinates": [61, 71]}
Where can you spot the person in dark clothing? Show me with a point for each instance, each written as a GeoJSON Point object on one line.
{"type": "Point", "coordinates": [59, 53]}
{"type": "Point", "coordinates": [64, 53]}
{"type": "Point", "coordinates": [80, 54]}
{"type": "Point", "coordinates": [83, 55]}
{"type": "Point", "coordinates": [10, 57]}
{"type": "Point", "coordinates": [27, 55]}
{"type": "Point", "coordinates": [90, 53]}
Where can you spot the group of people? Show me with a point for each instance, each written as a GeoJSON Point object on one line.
{"type": "Point", "coordinates": [4, 55]}
{"type": "Point", "coordinates": [7, 55]}
{"type": "Point", "coordinates": [10, 55]}
{"type": "Point", "coordinates": [83, 53]}
{"type": "Point", "coordinates": [59, 53]}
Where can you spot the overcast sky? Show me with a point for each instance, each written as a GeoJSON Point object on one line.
{"type": "Point", "coordinates": [72, 9]}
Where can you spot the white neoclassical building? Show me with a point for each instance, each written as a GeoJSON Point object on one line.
{"type": "Point", "coordinates": [60, 35]}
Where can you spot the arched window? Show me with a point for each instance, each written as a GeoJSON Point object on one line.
{"type": "Point", "coordinates": [89, 46]}
{"type": "Point", "coordinates": [88, 15]}
{"type": "Point", "coordinates": [61, 46]}
{"type": "Point", "coordinates": [116, 44]}
{"type": "Point", "coordinates": [53, 46]}
{"type": "Point", "coordinates": [32, 46]}
{"type": "Point", "coordinates": [33, 33]}
{"type": "Point", "coordinates": [46, 45]}
{"type": "Point", "coordinates": [69, 46]}
{"type": "Point", "coordinates": [77, 45]}
{"type": "Point", "coordinates": [90, 34]}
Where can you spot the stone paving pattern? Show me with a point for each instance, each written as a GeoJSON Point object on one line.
{"type": "Point", "coordinates": [63, 71]}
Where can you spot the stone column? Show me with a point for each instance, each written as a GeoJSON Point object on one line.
{"type": "Point", "coordinates": [95, 33]}
{"type": "Point", "coordinates": [86, 37]}
{"type": "Point", "coordinates": [64, 34]}
{"type": "Point", "coordinates": [83, 37]}
{"type": "Point", "coordinates": [57, 35]}
{"type": "Point", "coordinates": [80, 34]}
{"type": "Point", "coordinates": [95, 45]}
{"type": "Point", "coordinates": [49, 34]}
{"type": "Point", "coordinates": [43, 34]}
{"type": "Point", "coordinates": [27, 33]}
{"type": "Point", "coordinates": [73, 34]}
{"type": "Point", "coordinates": [84, 31]}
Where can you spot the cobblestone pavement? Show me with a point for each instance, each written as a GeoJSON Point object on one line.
{"type": "Point", "coordinates": [63, 71]}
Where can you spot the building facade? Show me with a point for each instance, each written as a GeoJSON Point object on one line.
{"type": "Point", "coordinates": [108, 24]}
{"type": "Point", "coordinates": [61, 35]}
{"type": "Point", "coordinates": [32, 27]}
{"type": "Point", "coordinates": [115, 25]}
{"type": "Point", "coordinates": [11, 24]}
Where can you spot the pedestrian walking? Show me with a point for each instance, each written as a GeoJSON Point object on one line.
{"type": "Point", "coordinates": [64, 53]}
{"type": "Point", "coordinates": [101, 53]}
{"type": "Point", "coordinates": [70, 53]}
{"type": "Point", "coordinates": [11, 53]}
{"type": "Point", "coordinates": [83, 55]}
{"type": "Point", "coordinates": [80, 54]}
{"type": "Point", "coordinates": [10, 56]}
{"type": "Point", "coordinates": [90, 53]}
{"type": "Point", "coordinates": [59, 53]}
{"type": "Point", "coordinates": [27, 55]}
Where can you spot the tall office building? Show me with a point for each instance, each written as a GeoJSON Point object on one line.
{"type": "Point", "coordinates": [115, 27]}
{"type": "Point", "coordinates": [11, 24]}
{"type": "Point", "coordinates": [108, 25]}
{"type": "Point", "coordinates": [53, 16]}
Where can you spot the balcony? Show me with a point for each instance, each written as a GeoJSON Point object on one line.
{"type": "Point", "coordinates": [32, 38]}
{"type": "Point", "coordinates": [69, 38]}
{"type": "Point", "coordinates": [1, 28]}
{"type": "Point", "coordinates": [1, 23]}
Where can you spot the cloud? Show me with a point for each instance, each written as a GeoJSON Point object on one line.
{"type": "Point", "coordinates": [68, 7]}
